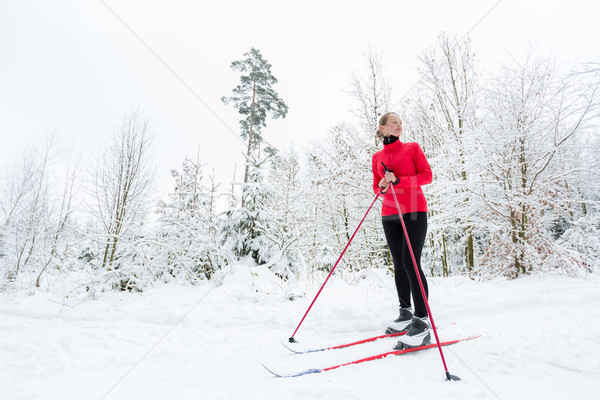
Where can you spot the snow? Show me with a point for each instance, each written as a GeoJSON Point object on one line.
{"type": "Point", "coordinates": [540, 339]}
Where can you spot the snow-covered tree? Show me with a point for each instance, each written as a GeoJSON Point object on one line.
{"type": "Point", "coordinates": [244, 226]}
{"type": "Point", "coordinates": [534, 116]}
{"type": "Point", "coordinates": [122, 185]}
{"type": "Point", "coordinates": [335, 183]}
{"type": "Point", "coordinates": [25, 207]}
{"type": "Point", "coordinates": [372, 95]}
{"type": "Point", "coordinates": [61, 236]}
{"type": "Point", "coordinates": [339, 183]}
{"type": "Point", "coordinates": [36, 206]}
{"type": "Point", "coordinates": [441, 115]}
{"type": "Point", "coordinates": [188, 236]}
{"type": "Point", "coordinates": [288, 208]}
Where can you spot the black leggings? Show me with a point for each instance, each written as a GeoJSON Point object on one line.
{"type": "Point", "coordinates": [404, 271]}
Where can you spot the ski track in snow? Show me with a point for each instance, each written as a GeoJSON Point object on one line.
{"type": "Point", "coordinates": [540, 340]}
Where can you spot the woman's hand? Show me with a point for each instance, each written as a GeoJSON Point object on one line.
{"type": "Point", "coordinates": [390, 177]}
{"type": "Point", "coordinates": [384, 185]}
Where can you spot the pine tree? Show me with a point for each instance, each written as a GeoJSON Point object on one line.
{"type": "Point", "coordinates": [188, 224]}
{"type": "Point", "coordinates": [245, 227]}
{"type": "Point", "coordinates": [254, 98]}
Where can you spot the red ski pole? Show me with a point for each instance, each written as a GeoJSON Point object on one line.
{"type": "Point", "coordinates": [291, 339]}
{"type": "Point", "coordinates": [449, 377]}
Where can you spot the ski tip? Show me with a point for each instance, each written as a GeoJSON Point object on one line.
{"type": "Point", "coordinates": [308, 371]}
{"type": "Point", "coordinates": [274, 373]}
{"type": "Point", "coordinates": [290, 349]}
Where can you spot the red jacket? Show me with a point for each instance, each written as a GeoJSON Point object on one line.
{"type": "Point", "coordinates": [407, 161]}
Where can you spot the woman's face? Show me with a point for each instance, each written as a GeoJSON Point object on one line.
{"type": "Point", "coordinates": [392, 127]}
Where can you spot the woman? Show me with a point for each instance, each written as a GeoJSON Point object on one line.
{"type": "Point", "coordinates": [404, 166]}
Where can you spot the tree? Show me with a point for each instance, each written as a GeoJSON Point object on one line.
{"type": "Point", "coordinates": [25, 207]}
{"type": "Point", "coordinates": [122, 184]}
{"type": "Point", "coordinates": [188, 231]}
{"type": "Point", "coordinates": [337, 184]}
{"type": "Point", "coordinates": [58, 231]}
{"type": "Point", "coordinates": [289, 223]}
{"type": "Point", "coordinates": [443, 117]}
{"type": "Point", "coordinates": [254, 98]}
{"type": "Point", "coordinates": [245, 227]}
{"type": "Point", "coordinates": [372, 94]}
{"type": "Point", "coordinates": [534, 116]}
{"type": "Point", "coordinates": [35, 215]}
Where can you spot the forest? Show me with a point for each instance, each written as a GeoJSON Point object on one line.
{"type": "Point", "coordinates": [515, 191]}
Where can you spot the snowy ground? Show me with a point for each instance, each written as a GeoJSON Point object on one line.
{"type": "Point", "coordinates": [541, 340]}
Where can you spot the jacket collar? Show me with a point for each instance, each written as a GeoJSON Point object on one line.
{"type": "Point", "coordinates": [392, 146]}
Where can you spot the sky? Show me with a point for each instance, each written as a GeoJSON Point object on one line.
{"type": "Point", "coordinates": [76, 68]}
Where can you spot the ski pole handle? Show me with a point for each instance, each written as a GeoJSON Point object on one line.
{"type": "Point", "coordinates": [385, 169]}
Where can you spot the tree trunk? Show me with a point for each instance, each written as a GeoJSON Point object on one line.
{"type": "Point", "coordinates": [445, 268]}
{"type": "Point", "coordinates": [470, 252]}
{"type": "Point", "coordinates": [250, 134]}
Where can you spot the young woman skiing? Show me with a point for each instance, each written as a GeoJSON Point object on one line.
{"type": "Point", "coordinates": [404, 166]}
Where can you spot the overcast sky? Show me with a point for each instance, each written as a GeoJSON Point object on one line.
{"type": "Point", "coordinates": [76, 67]}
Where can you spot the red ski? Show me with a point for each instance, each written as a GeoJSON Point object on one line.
{"type": "Point", "coordinates": [341, 346]}
{"type": "Point", "coordinates": [375, 357]}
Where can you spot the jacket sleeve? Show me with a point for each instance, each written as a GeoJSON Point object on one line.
{"type": "Point", "coordinates": [423, 175]}
{"type": "Point", "coordinates": [376, 177]}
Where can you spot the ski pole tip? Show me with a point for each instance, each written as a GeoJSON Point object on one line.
{"type": "Point", "coordinates": [450, 377]}
{"type": "Point", "coordinates": [292, 340]}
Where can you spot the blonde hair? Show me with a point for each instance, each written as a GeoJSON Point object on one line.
{"type": "Point", "coordinates": [383, 121]}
